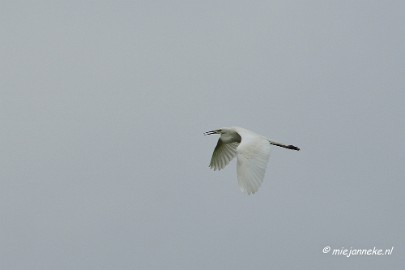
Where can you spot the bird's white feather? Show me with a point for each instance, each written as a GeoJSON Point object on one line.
{"type": "Point", "coordinates": [252, 157]}
{"type": "Point", "coordinates": [223, 154]}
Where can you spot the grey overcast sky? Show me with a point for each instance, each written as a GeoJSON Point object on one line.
{"type": "Point", "coordinates": [103, 106]}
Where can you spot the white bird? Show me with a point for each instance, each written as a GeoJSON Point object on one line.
{"type": "Point", "coordinates": [252, 151]}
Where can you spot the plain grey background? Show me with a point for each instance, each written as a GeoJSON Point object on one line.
{"type": "Point", "coordinates": [103, 107]}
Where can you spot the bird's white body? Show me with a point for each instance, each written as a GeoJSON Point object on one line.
{"type": "Point", "coordinates": [251, 150]}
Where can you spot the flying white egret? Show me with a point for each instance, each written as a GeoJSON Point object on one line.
{"type": "Point", "coordinates": [252, 151]}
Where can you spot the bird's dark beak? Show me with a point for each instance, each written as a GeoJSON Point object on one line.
{"type": "Point", "coordinates": [218, 131]}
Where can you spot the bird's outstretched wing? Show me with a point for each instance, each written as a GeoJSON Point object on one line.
{"type": "Point", "coordinates": [223, 154]}
{"type": "Point", "coordinates": [252, 163]}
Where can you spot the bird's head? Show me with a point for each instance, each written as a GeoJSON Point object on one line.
{"type": "Point", "coordinates": [227, 134]}
{"type": "Point", "coordinates": [216, 131]}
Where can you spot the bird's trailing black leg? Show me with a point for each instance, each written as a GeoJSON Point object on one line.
{"type": "Point", "coordinates": [292, 147]}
